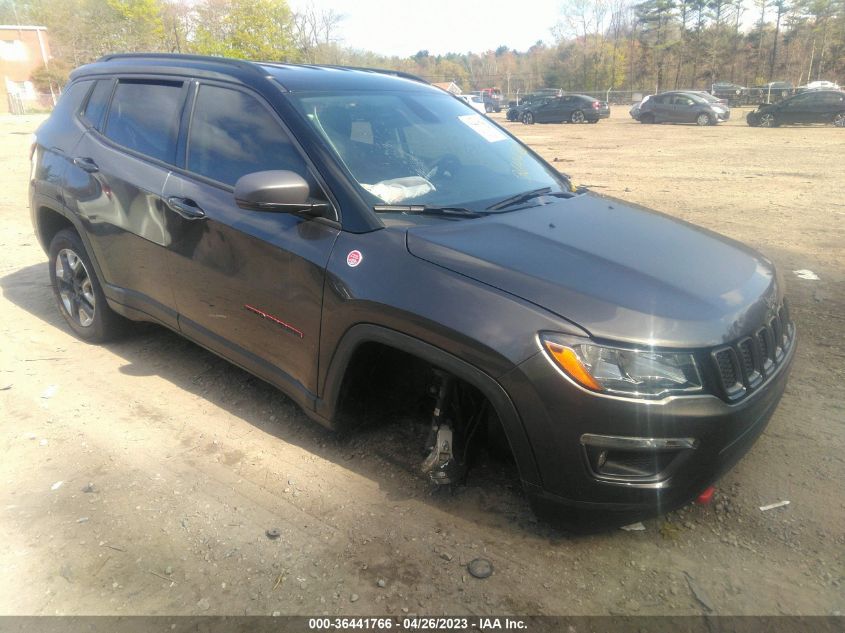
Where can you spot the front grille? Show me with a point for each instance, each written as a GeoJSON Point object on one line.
{"type": "Point", "coordinates": [742, 366]}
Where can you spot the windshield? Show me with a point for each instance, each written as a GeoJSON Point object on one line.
{"type": "Point", "coordinates": [423, 148]}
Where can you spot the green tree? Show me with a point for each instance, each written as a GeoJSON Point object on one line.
{"type": "Point", "coordinates": [249, 29]}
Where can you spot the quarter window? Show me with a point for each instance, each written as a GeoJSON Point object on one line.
{"type": "Point", "coordinates": [98, 102]}
{"type": "Point", "coordinates": [233, 134]}
{"type": "Point", "coordinates": [144, 116]}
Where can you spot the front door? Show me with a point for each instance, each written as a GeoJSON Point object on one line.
{"type": "Point", "coordinates": [247, 283]}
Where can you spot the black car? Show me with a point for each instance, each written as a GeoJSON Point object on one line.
{"type": "Point", "coordinates": [571, 108]}
{"type": "Point", "coordinates": [681, 107]}
{"type": "Point", "coordinates": [339, 232]}
{"type": "Point", "coordinates": [770, 92]}
{"type": "Point", "coordinates": [813, 106]}
{"type": "Point", "coordinates": [732, 93]}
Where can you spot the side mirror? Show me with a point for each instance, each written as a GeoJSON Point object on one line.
{"type": "Point", "coordinates": [276, 191]}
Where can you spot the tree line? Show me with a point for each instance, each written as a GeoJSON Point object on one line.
{"type": "Point", "coordinates": [596, 45]}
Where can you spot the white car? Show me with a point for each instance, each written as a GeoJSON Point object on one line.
{"type": "Point", "coordinates": [475, 101]}
{"type": "Point", "coordinates": [822, 85]}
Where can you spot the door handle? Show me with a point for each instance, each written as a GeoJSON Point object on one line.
{"type": "Point", "coordinates": [186, 208]}
{"type": "Point", "coordinates": [86, 164]}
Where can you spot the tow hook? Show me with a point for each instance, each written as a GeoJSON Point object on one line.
{"type": "Point", "coordinates": [441, 464]}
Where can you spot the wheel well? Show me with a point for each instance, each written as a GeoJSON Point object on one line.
{"type": "Point", "coordinates": [50, 222]}
{"type": "Point", "coordinates": [382, 384]}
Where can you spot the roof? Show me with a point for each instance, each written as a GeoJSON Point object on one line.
{"type": "Point", "coordinates": [292, 77]}
{"type": "Point", "coordinates": [448, 86]}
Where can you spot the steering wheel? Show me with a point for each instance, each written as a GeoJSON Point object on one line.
{"type": "Point", "coordinates": [444, 168]}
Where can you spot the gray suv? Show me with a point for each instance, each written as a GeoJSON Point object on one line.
{"type": "Point", "coordinates": [343, 232]}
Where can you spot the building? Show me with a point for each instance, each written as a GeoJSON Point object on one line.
{"type": "Point", "coordinates": [23, 50]}
{"type": "Point", "coordinates": [449, 86]}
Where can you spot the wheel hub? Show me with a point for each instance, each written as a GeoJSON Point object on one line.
{"type": "Point", "coordinates": [74, 287]}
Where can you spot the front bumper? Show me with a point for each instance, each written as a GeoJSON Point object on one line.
{"type": "Point", "coordinates": [562, 422]}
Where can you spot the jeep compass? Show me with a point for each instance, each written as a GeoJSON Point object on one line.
{"type": "Point", "coordinates": [309, 223]}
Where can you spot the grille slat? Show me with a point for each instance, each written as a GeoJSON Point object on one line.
{"type": "Point", "coordinates": [742, 366]}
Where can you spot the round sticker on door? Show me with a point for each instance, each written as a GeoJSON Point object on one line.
{"type": "Point", "coordinates": [354, 258]}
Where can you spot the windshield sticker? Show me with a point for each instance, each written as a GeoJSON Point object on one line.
{"type": "Point", "coordinates": [354, 258]}
{"type": "Point", "coordinates": [482, 127]}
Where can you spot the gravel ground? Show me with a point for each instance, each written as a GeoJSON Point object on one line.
{"type": "Point", "coordinates": [141, 477]}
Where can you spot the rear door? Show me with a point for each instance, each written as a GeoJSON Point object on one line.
{"type": "Point", "coordinates": [248, 284]}
{"type": "Point", "coordinates": [114, 184]}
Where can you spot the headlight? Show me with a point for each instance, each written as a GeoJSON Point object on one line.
{"type": "Point", "coordinates": [626, 372]}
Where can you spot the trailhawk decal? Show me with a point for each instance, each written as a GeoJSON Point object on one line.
{"type": "Point", "coordinates": [270, 317]}
{"type": "Point", "coordinates": [354, 258]}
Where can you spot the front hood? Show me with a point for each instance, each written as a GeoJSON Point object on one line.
{"type": "Point", "coordinates": [619, 271]}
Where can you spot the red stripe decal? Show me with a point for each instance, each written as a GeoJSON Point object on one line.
{"type": "Point", "coordinates": [270, 317]}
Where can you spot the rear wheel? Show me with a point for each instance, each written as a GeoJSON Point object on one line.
{"type": "Point", "coordinates": [528, 118]}
{"type": "Point", "coordinates": [767, 119]}
{"type": "Point", "coordinates": [839, 119]}
{"type": "Point", "coordinates": [78, 292]}
{"type": "Point", "coordinates": [704, 119]}
{"type": "Point", "coordinates": [577, 117]}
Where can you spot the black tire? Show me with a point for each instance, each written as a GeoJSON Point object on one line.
{"type": "Point", "coordinates": [577, 117]}
{"type": "Point", "coordinates": [78, 293]}
{"type": "Point", "coordinates": [647, 118]}
{"type": "Point", "coordinates": [767, 119]}
{"type": "Point", "coordinates": [528, 118]}
{"type": "Point", "coordinates": [839, 119]}
{"type": "Point", "coordinates": [704, 119]}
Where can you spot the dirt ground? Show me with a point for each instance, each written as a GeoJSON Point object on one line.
{"type": "Point", "coordinates": [191, 460]}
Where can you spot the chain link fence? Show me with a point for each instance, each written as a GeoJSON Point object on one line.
{"type": "Point", "coordinates": [37, 103]}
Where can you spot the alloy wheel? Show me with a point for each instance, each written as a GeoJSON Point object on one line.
{"type": "Point", "coordinates": [74, 287]}
{"type": "Point", "coordinates": [703, 119]}
{"type": "Point", "coordinates": [577, 117]}
{"type": "Point", "coordinates": [767, 120]}
{"type": "Point", "coordinates": [839, 119]}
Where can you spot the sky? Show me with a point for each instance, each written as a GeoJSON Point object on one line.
{"type": "Point", "coordinates": [403, 27]}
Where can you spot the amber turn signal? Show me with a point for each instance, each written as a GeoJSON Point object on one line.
{"type": "Point", "coordinates": [569, 362]}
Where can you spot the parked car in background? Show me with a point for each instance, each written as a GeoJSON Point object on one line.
{"type": "Point", "coordinates": [573, 108]}
{"type": "Point", "coordinates": [635, 109]}
{"type": "Point", "coordinates": [770, 92]}
{"type": "Point", "coordinates": [474, 101]}
{"type": "Point", "coordinates": [818, 85]}
{"type": "Point", "coordinates": [813, 106]}
{"type": "Point", "coordinates": [492, 98]}
{"type": "Point", "coordinates": [681, 107]}
{"type": "Point", "coordinates": [733, 93]}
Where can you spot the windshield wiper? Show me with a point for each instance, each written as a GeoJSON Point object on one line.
{"type": "Point", "coordinates": [525, 196]}
{"type": "Point", "coordinates": [425, 209]}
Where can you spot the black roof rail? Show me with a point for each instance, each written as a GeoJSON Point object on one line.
{"type": "Point", "coordinates": [228, 61]}
{"type": "Point", "coordinates": [252, 65]}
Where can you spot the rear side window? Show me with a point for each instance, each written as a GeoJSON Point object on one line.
{"type": "Point", "coordinates": [98, 102]}
{"type": "Point", "coordinates": [144, 116]}
{"type": "Point", "coordinates": [71, 100]}
{"type": "Point", "coordinates": [232, 134]}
